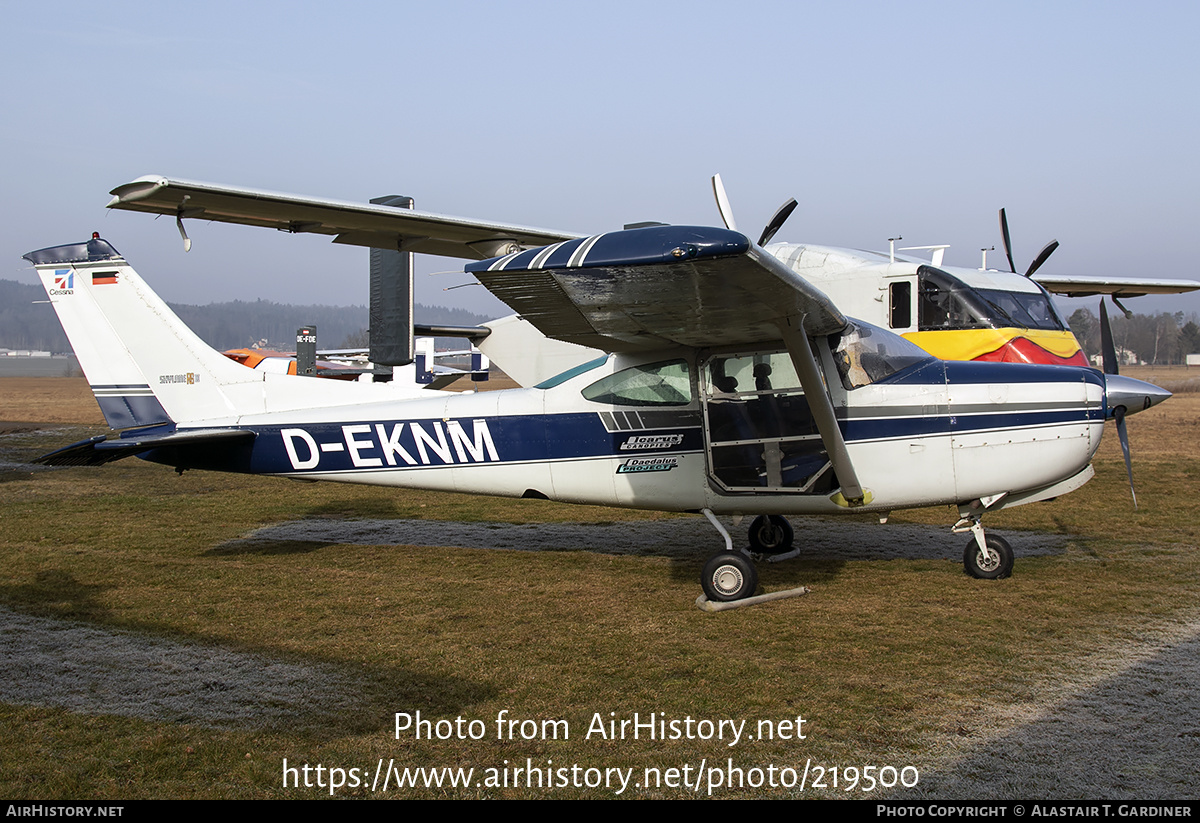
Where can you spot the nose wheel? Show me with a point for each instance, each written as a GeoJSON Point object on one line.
{"type": "Point", "coordinates": [987, 556]}
{"type": "Point", "coordinates": [996, 564]}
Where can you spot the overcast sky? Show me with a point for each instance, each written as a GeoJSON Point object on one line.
{"type": "Point", "coordinates": [919, 119]}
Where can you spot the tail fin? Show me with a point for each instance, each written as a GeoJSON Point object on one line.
{"type": "Point", "coordinates": [144, 365]}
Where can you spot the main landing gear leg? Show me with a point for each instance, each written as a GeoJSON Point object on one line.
{"type": "Point", "coordinates": [987, 556]}
{"type": "Point", "coordinates": [728, 575]}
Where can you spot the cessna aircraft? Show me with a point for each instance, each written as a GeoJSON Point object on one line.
{"type": "Point", "coordinates": [728, 385]}
{"type": "Point", "coordinates": [954, 313]}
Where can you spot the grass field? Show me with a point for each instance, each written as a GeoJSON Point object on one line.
{"type": "Point", "coordinates": [151, 651]}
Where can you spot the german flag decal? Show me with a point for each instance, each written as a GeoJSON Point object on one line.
{"type": "Point", "coordinates": [104, 278]}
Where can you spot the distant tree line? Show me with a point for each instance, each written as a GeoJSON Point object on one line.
{"type": "Point", "coordinates": [26, 323]}
{"type": "Point", "coordinates": [1156, 339]}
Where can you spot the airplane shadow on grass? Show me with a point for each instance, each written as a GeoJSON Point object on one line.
{"type": "Point", "coordinates": [825, 544]}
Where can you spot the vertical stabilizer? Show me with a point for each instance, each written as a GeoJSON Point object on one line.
{"type": "Point", "coordinates": [143, 364]}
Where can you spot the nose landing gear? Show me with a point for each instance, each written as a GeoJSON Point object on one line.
{"type": "Point", "coordinates": [987, 556]}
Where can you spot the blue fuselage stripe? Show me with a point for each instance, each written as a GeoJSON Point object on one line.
{"type": "Point", "coordinates": [432, 443]}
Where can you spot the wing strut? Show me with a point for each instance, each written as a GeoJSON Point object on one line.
{"type": "Point", "coordinates": [800, 350]}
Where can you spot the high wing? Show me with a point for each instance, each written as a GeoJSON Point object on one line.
{"type": "Point", "coordinates": [1079, 286]}
{"type": "Point", "coordinates": [355, 224]}
{"type": "Point", "coordinates": [658, 286]}
{"type": "Point", "coordinates": [650, 288]}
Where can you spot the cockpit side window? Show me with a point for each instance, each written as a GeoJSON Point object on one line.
{"type": "Point", "coordinates": [943, 302]}
{"type": "Point", "coordinates": [654, 384]}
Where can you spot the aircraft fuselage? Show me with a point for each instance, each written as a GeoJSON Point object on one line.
{"type": "Point", "coordinates": [936, 433]}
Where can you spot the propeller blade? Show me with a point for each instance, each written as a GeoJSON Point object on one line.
{"type": "Point", "coordinates": [1119, 416]}
{"type": "Point", "coordinates": [1007, 243]}
{"type": "Point", "coordinates": [723, 203]}
{"type": "Point", "coordinates": [1041, 258]}
{"type": "Point", "coordinates": [1107, 349]}
{"type": "Point", "coordinates": [777, 220]}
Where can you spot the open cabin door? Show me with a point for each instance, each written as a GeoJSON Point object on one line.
{"type": "Point", "coordinates": [759, 432]}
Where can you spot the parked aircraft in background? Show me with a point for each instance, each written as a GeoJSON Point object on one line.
{"type": "Point", "coordinates": [430, 369]}
{"type": "Point", "coordinates": [955, 313]}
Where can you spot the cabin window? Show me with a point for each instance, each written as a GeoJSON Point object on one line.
{"type": "Point", "coordinates": [654, 384]}
{"type": "Point", "coordinates": [900, 316]}
{"type": "Point", "coordinates": [572, 372]}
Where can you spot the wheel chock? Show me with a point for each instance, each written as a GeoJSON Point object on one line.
{"type": "Point", "coordinates": [704, 604]}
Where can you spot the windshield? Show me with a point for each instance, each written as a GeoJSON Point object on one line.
{"type": "Point", "coordinates": [1029, 311]}
{"type": "Point", "coordinates": [948, 303]}
{"type": "Point", "coordinates": [866, 354]}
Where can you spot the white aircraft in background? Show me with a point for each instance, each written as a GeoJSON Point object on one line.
{"type": "Point", "coordinates": [954, 313]}
{"type": "Point", "coordinates": [728, 385]}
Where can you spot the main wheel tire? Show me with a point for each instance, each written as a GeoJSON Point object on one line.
{"type": "Point", "coordinates": [729, 576]}
{"type": "Point", "coordinates": [771, 534]}
{"type": "Point", "coordinates": [984, 569]}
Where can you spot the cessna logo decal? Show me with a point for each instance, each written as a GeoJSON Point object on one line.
{"type": "Point", "coordinates": [64, 282]}
{"type": "Point", "coordinates": [396, 444]}
{"type": "Point", "coordinates": [648, 442]}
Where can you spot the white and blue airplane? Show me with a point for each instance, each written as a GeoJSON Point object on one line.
{"type": "Point", "coordinates": [728, 385]}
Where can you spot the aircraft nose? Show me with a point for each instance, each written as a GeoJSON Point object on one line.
{"type": "Point", "coordinates": [1134, 395]}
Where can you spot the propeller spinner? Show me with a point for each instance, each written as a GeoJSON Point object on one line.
{"type": "Point", "coordinates": [1124, 395]}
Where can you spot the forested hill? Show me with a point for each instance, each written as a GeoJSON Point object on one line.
{"type": "Point", "coordinates": [28, 324]}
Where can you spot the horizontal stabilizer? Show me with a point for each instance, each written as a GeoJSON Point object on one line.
{"type": "Point", "coordinates": [96, 451]}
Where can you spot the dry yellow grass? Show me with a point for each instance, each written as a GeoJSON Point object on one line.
{"type": "Point", "coordinates": [48, 400]}
{"type": "Point", "coordinates": [887, 659]}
